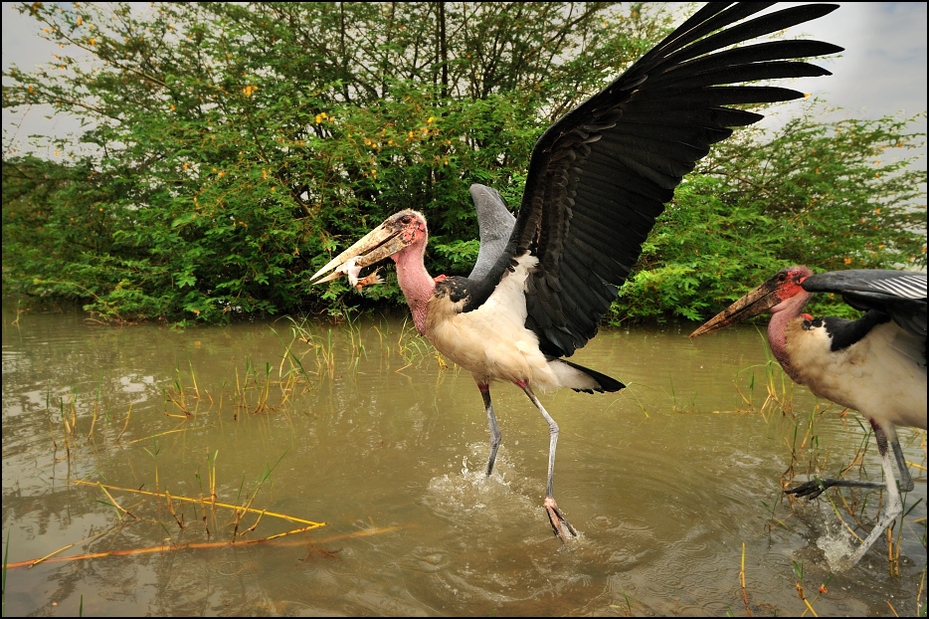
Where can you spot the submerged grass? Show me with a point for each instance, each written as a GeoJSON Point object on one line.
{"type": "Point", "coordinates": [310, 356]}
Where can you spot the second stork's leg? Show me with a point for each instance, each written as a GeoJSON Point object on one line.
{"type": "Point", "coordinates": [555, 517]}
{"type": "Point", "coordinates": [906, 482]}
{"type": "Point", "coordinates": [492, 422]}
{"type": "Point", "coordinates": [816, 487]}
{"type": "Point", "coordinates": [893, 506]}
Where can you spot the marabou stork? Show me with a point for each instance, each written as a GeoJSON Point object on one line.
{"type": "Point", "coordinates": [597, 180]}
{"type": "Point", "coordinates": [875, 364]}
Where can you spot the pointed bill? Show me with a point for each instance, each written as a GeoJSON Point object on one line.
{"type": "Point", "coordinates": [380, 243]}
{"type": "Point", "coordinates": [758, 301]}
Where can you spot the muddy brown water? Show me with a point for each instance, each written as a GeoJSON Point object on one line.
{"type": "Point", "coordinates": [669, 483]}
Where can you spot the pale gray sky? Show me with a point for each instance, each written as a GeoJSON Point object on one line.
{"type": "Point", "coordinates": [882, 71]}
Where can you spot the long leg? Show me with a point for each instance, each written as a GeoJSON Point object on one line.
{"type": "Point", "coordinates": [816, 487]}
{"type": "Point", "coordinates": [893, 506]}
{"type": "Point", "coordinates": [555, 517]}
{"type": "Point", "coordinates": [494, 429]}
{"type": "Point", "coordinates": [906, 482]}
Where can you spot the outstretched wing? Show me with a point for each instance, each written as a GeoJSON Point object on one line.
{"type": "Point", "coordinates": [899, 294]}
{"type": "Point", "coordinates": [601, 175]}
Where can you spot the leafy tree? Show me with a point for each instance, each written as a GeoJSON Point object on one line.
{"type": "Point", "coordinates": [229, 148]}
{"type": "Point", "coordinates": [832, 196]}
{"type": "Point", "coordinates": [237, 143]}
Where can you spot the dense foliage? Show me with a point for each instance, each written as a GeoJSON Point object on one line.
{"type": "Point", "coordinates": [230, 148]}
{"type": "Point", "coordinates": [829, 195]}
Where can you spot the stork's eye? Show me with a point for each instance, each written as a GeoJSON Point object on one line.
{"type": "Point", "coordinates": [405, 219]}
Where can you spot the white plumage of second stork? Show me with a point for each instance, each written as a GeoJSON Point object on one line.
{"type": "Point", "coordinates": [597, 179]}
{"type": "Point", "coordinates": [875, 364]}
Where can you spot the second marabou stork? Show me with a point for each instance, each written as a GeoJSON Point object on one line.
{"type": "Point", "coordinates": [596, 181]}
{"type": "Point", "coordinates": [875, 364]}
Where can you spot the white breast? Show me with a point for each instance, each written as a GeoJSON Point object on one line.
{"type": "Point", "coordinates": [883, 376]}
{"type": "Point", "coordinates": [492, 341]}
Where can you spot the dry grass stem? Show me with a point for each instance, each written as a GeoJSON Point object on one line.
{"type": "Point", "coordinates": [238, 508]}
{"type": "Point", "coordinates": [274, 539]}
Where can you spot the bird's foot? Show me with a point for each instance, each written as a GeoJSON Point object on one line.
{"type": "Point", "coordinates": [369, 280]}
{"type": "Point", "coordinates": [352, 270]}
{"type": "Point", "coordinates": [557, 519]}
{"type": "Point", "coordinates": [810, 489]}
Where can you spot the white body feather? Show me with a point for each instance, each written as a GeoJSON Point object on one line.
{"type": "Point", "coordinates": [492, 341]}
{"type": "Point", "coordinates": [883, 375]}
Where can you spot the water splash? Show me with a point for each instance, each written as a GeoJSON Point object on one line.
{"type": "Point", "coordinates": [837, 544]}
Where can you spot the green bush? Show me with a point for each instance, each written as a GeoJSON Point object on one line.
{"type": "Point", "coordinates": [229, 149]}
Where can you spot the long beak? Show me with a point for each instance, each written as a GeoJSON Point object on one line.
{"type": "Point", "coordinates": [380, 243]}
{"type": "Point", "coordinates": [758, 301]}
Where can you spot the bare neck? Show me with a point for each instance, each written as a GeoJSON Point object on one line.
{"type": "Point", "coordinates": [783, 313]}
{"type": "Point", "coordinates": [415, 282]}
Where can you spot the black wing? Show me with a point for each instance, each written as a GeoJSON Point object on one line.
{"type": "Point", "coordinates": [899, 294]}
{"type": "Point", "coordinates": [601, 175]}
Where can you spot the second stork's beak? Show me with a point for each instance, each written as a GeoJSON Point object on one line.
{"type": "Point", "coordinates": [758, 301]}
{"type": "Point", "coordinates": [380, 243]}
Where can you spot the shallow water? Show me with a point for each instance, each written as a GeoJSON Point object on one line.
{"type": "Point", "coordinates": [364, 428]}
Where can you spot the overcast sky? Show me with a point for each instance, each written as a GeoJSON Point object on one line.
{"type": "Point", "coordinates": [882, 71]}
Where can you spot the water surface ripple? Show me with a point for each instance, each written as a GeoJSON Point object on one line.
{"type": "Point", "coordinates": [363, 427]}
